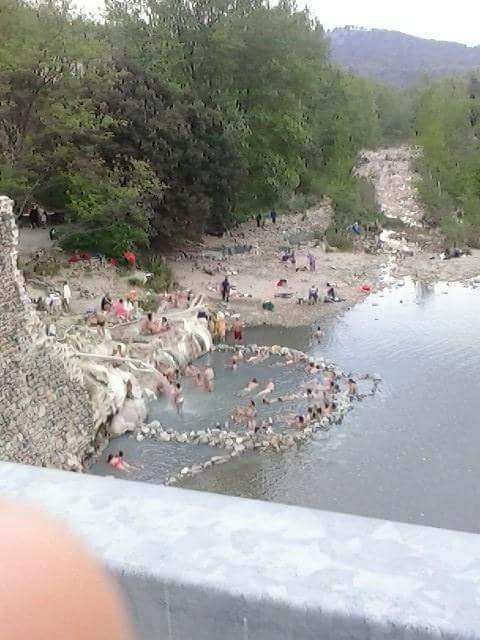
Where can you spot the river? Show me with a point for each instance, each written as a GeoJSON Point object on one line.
{"type": "Point", "coordinates": [410, 453]}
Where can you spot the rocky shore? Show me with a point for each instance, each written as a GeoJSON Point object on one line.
{"type": "Point", "coordinates": [250, 255]}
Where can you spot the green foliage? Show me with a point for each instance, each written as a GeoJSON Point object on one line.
{"type": "Point", "coordinates": [353, 199]}
{"type": "Point", "coordinates": [150, 302]}
{"type": "Point", "coordinates": [136, 282]}
{"type": "Point", "coordinates": [161, 280]}
{"type": "Point", "coordinates": [173, 117]}
{"type": "Point", "coordinates": [446, 121]}
{"type": "Point", "coordinates": [339, 239]}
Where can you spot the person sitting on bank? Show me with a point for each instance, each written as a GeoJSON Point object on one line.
{"type": "Point", "coordinates": [330, 297]}
{"type": "Point", "coordinates": [106, 303]}
{"type": "Point", "coordinates": [120, 310]}
{"type": "Point", "coordinates": [150, 326]}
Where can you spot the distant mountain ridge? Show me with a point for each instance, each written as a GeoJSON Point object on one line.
{"type": "Point", "coordinates": [398, 58]}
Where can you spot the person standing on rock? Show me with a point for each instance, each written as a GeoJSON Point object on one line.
{"type": "Point", "coordinates": [220, 327]}
{"type": "Point", "coordinates": [226, 289]}
{"type": "Point", "coordinates": [273, 216]}
{"type": "Point", "coordinates": [259, 220]}
{"type": "Point", "coordinates": [66, 296]}
{"type": "Point", "coordinates": [101, 321]}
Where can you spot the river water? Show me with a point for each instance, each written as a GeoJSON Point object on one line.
{"type": "Point", "coordinates": [410, 453]}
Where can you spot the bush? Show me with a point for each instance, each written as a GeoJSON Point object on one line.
{"type": "Point", "coordinates": [160, 282]}
{"type": "Point", "coordinates": [341, 240]}
{"type": "Point", "coordinates": [136, 282]}
{"type": "Point", "coordinates": [111, 241]}
{"type": "Point", "coordinates": [149, 303]}
{"type": "Point", "coordinates": [395, 224]}
{"type": "Point", "coordinates": [161, 279]}
{"type": "Point", "coordinates": [353, 199]}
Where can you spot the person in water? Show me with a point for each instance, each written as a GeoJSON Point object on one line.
{"type": "Point", "coordinates": [178, 398]}
{"type": "Point", "coordinates": [298, 422]}
{"type": "Point", "coordinates": [237, 329]}
{"type": "Point", "coordinates": [191, 371]}
{"type": "Point", "coordinates": [117, 462]}
{"type": "Point", "coordinates": [199, 380]}
{"type": "Point", "coordinates": [352, 387]}
{"type": "Point", "coordinates": [318, 334]}
{"type": "Point", "coordinates": [251, 386]}
{"type": "Point", "coordinates": [232, 363]}
{"type": "Point", "coordinates": [209, 377]}
{"type": "Point", "coordinates": [267, 390]}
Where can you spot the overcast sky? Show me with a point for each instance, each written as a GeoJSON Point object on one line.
{"type": "Point", "coordinates": [457, 20]}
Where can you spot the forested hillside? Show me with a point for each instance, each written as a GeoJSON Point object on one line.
{"type": "Point", "coordinates": [173, 117]}
{"type": "Point", "coordinates": [397, 58]}
{"type": "Point", "coordinates": [446, 122]}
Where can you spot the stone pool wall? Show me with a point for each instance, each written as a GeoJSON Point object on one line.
{"type": "Point", "coordinates": [46, 417]}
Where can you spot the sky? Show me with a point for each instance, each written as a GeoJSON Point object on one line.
{"type": "Point", "coordinates": [455, 20]}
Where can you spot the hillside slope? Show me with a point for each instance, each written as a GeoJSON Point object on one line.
{"type": "Point", "coordinates": [397, 58]}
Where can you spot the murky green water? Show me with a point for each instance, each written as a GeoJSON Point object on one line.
{"type": "Point", "coordinates": [410, 453]}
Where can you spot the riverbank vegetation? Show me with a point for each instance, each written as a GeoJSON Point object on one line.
{"type": "Point", "coordinates": [168, 119]}
{"type": "Point", "coordinates": [446, 122]}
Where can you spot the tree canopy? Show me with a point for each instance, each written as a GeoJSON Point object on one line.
{"type": "Point", "coordinates": [173, 117]}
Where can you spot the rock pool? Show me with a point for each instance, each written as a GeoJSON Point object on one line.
{"type": "Point", "coordinates": [409, 453]}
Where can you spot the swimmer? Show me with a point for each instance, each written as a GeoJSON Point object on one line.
{"type": "Point", "coordinates": [268, 389]}
{"type": "Point", "coordinates": [256, 356]}
{"type": "Point", "coordinates": [318, 334]}
{"type": "Point", "coordinates": [251, 386]}
{"type": "Point", "coordinates": [117, 462]}
{"type": "Point", "coordinates": [310, 368]}
{"type": "Point", "coordinates": [232, 363]}
{"type": "Point", "coordinates": [298, 422]}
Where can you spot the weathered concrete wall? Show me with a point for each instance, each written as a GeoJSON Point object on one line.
{"type": "Point", "coordinates": [45, 414]}
{"type": "Point", "coordinates": [207, 567]}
